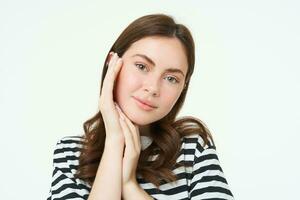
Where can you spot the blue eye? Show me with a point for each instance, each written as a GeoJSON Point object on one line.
{"type": "Point", "coordinates": [172, 79]}
{"type": "Point", "coordinates": [141, 66]}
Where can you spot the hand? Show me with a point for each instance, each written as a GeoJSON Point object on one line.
{"type": "Point", "coordinates": [132, 149]}
{"type": "Point", "coordinates": [106, 102]}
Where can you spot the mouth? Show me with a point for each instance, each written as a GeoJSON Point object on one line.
{"type": "Point", "coordinates": [144, 105]}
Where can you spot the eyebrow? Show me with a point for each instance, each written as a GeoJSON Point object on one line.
{"type": "Point", "coordinates": [153, 63]}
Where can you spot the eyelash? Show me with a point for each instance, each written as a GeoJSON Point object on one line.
{"type": "Point", "coordinates": [145, 67]}
{"type": "Point", "coordinates": [138, 64]}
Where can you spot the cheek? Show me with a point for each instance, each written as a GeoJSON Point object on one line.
{"type": "Point", "coordinates": [126, 83]}
{"type": "Point", "coordinates": [170, 98]}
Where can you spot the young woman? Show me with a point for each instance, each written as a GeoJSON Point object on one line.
{"type": "Point", "coordinates": [134, 147]}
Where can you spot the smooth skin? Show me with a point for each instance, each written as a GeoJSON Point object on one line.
{"type": "Point", "coordinates": [116, 174]}
{"type": "Point", "coordinates": [158, 82]}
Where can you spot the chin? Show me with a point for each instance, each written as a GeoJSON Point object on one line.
{"type": "Point", "coordinates": [140, 120]}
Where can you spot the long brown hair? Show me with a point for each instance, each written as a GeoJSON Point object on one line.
{"type": "Point", "coordinates": [166, 132]}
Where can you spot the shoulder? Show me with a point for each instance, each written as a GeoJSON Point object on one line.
{"type": "Point", "coordinates": [198, 141]}
{"type": "Point", "coordinates": [67, 151]}
{"type": "Point", "coordinates": [192, 146]}
{"type": "Point", "coordinates": [193, 130]}
{"type": "Point", "coordinates": [70, 141]}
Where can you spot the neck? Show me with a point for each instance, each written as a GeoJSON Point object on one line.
{"type": "Point", "coordinates": [144, 130]}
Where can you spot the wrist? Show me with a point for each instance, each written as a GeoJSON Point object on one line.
{"type": "Point", "coordinates": [114, 144]}
{"type": "Point", "coordinates": [129, 189]}
{"type": "Point", "coordinates": [114, 140]}
{"type": "Point", "coordinates": [132, 191]}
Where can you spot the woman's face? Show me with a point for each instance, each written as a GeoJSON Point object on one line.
{"type": "Point", "coordinates": [151, 79]}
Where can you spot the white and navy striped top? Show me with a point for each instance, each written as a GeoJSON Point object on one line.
{"type": "Point", "coordinates": [205, 180]}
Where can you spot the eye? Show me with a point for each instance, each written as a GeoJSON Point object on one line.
{"type": "Point", "coordinates": [172, 79]}
{"type": "Point", "coordinates": [141, 66]}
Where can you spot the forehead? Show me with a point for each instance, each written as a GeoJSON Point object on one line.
{"type": "Point", "coordinates": [164, 51]}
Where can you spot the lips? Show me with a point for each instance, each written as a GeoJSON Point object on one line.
{"type": "Point", "coordinates": [146, 105]}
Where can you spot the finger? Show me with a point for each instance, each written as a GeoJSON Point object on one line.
{"type": "Point", "coordinates": [112, 56]}
{"type": "Point", "coordinates": [133, 129]}
{"type": "Point", "coordinates": [135, 132]}
{"type": "Point", "coordinates": [119, 111]}
{"type": "Point", "coordinates": [115, 68]}
{"type": "Point", "coordinates": [109, 63]}
{"type": "Point", "coordinates": [127, 135]}
{"type": "Point", "coordinates": [109, 57]}
{"type": "Point", "coordinates": [112, 64]}
{"type": "Point", "coordinates": [127, 120]}
{"type": "Point", "coordinates": [110, 77]}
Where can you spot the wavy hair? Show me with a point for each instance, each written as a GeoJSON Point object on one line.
{"type": "Point", "coordinates": [166, 132]}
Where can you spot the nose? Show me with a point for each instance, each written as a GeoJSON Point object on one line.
{"type": "Point", "coordinates": [151, 86]}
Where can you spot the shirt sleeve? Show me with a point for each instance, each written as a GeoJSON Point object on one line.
{"type": "Point", "coordinates": [208, 180]}
{"type": "Point", "coordinates": [64, 185]}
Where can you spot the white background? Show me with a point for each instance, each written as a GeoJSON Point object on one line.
{"type": "Point", "coordinates": [245, 87]}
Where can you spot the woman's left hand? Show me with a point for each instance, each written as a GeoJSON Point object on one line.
{"type": "Point", "coordinates": [132, 149]}
{"type": "Point", "coordinates": [130, 186]}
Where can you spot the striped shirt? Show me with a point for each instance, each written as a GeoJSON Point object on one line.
{"type": "Point", "coordinates": [203, 180]}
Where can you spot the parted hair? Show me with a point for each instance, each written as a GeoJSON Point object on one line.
{"type": "Point", "coordinates": [167, 133]}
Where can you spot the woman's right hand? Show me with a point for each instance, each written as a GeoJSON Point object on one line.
{"type": "Point", "coordinates": [106, 104]}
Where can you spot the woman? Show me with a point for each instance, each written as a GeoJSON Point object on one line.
{"type": "Point", "coordinates": [134, 148]}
